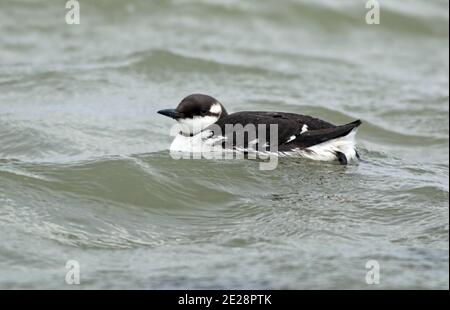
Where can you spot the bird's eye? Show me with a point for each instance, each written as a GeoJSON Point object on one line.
{"type": "Point", "coordinates": [203, 112]}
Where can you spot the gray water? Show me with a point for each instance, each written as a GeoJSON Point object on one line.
{"type": "Point", "coordinates": [85, 173]}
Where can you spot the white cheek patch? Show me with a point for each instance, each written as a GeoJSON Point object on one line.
{"type": "Point", "coordinates": [196, 124]}
{"type": "Point", "coordinates": [215, 109]}
{"type": "Point", "coordinates": [304, 129]}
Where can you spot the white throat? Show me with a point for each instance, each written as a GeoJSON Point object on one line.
{"type": "Point", "coordinates": [192, 126]}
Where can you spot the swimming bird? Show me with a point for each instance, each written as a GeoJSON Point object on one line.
{"type": "Point", "coordinates": [203, 119]}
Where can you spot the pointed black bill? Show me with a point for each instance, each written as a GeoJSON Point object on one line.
{"type": "Point", "coordinates": [172, 113]}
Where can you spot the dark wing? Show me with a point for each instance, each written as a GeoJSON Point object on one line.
{"type": "Point", "coordinates": [313, 137]}
{"type": "Point", "coordinates": [290, 127]}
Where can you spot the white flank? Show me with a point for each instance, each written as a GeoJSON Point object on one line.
{"type": "Point", "coordinates": [326, 151]}
{"type": "Point", "coordinates": [253, 142]}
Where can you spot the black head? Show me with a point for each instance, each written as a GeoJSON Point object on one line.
{"type": "Point", "coordinates": [196, 112]}
{"type": "Point", "coordinates": [196, 105]}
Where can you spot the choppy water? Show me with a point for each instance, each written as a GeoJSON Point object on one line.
{"type": "Point", "coordinates": [85, 173]}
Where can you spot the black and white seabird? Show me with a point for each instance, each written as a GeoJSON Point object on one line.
{"type": "Point", "coordinates": [200, 117]}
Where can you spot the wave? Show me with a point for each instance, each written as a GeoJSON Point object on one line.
{"type": "Point", "coordinates": [155, 62]}
{"type": "Point", "coordinates": [413, 17]}
{"type": "Point", "coordinates": [136, 201]}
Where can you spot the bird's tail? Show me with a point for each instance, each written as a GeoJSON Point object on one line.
{"type": "Point", "coordinates": [314, 137]}
{"type": "Point", "coordinates": [336, 143]}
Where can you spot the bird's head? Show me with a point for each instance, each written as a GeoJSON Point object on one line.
{"type": "Point", "coordinates": [195, 113]}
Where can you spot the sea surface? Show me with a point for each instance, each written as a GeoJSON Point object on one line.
{"type": "Point", "coordinates": [86, 175]}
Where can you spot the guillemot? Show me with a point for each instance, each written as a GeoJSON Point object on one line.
{"type": "Point", "coordinates": [203, 119]}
